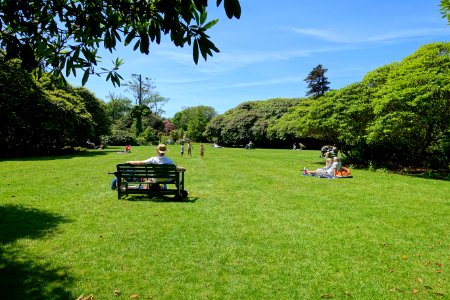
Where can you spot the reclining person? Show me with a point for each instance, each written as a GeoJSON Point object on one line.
{"type": "Point", "coordinates": [327, 171]}
{"type": "Point", "coordinates": [320, 171]}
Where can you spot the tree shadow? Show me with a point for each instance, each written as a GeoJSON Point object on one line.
{"type": "Point", "coordinates": [23, 276]}
{"type": "Point", "coordinates": [89, 153]}
{"type": "Point", "coordinates": [425, 173]}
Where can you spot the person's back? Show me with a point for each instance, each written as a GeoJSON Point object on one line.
{"type": "Point", "coordinates": [159, 160]}
{"type": "Point", "coordinates": [336, 165]}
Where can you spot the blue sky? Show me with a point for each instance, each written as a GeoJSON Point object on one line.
{"type": "Point", "coordinates": [275, 44]}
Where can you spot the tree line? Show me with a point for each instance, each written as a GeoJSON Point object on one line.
{"type": "Point", "coordinates": [40, 116]}
{"type": "Point", "coordinates": [397, 115]}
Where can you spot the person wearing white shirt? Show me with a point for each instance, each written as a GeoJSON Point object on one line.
{"type": "Point", "coordinates": [159, 159]}
{"type": "Point", "coordinates": [335, 166]}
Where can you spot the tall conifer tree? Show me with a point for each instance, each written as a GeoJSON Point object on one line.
{"type": "Point", "coordinates": [317, 82]}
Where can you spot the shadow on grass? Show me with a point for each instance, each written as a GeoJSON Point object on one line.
{"type": "Point", "coordinates": [90, 153]}
{"type": "Point", "coordinates": [133, 198]}
{"type": "Point", "coordinates": [22, 276]}
{"type": "Point", "coordinates": [436, 175]}
{"type": "Point", "coordinates": [443, 175]}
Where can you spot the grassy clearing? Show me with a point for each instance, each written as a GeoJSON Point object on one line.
{"type": "Point", "coordinates": [252, 228]}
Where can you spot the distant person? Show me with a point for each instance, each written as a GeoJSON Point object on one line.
{"type": "Point", "coordinates": [324, 150]}
{"type": "Point", "coordinates": [189, 148]}
{"type": "Point", "coordinates": [334, 151]}
{"type": "Point", "coordinates": [128, 148]}
{"type": "Point", "coordinates": [202, 150]}
{"type": "Point", "coordinates": [182, 150]}
{"type": "Point", "coordinates": [90, 144]}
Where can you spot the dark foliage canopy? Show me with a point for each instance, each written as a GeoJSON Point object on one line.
{"type": "Point", "coordinates": [38, 117]}
{"type": "Point", "coordinates": [60, 36]}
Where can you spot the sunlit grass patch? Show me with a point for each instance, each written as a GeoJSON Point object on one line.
{"type": "Point", "coordinates": [253, 228]}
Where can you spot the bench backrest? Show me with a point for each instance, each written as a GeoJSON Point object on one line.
{"type": "Point", "coordinates": [147, 171]}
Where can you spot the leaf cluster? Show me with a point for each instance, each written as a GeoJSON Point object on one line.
{"type": "Point", "coordinates": [63, 36]}
{"type": "Point", "coordinates": [445, 9]}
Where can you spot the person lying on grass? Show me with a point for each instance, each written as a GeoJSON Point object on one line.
{"type": "Point", "coordinates": [327, 171]}
{"type": "Point", "coordinates": [328, 163]}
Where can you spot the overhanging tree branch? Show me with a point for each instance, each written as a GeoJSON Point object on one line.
{"type": "Point", "coordinates": [60, 36]}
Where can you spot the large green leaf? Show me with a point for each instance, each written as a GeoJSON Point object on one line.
{"type": "Point", "coordinates": [195, 51]}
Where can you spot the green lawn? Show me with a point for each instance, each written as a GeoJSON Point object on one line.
{"type": "Point", "coordinates": [252, 228]}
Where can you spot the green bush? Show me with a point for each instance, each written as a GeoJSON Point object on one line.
{"type": "Point", "coordinates": [119, 137]}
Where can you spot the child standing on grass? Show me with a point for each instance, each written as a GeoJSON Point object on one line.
{"type": "Point", "coordinates": [189, 146]}
{"type": "Point", "coordinates": [202, 150]}
{"type": "Point", "coordinates": [182, 150]}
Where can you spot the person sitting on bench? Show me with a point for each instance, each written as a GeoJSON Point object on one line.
{"type": "Point", "coordinates": [159, 159]}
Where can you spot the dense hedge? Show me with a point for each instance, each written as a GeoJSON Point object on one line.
{"type": "Point", "coordinates": [249, 121]}
{"type": "Point", "coordinates": [397, 116]}
{"type": "Point", "coordinates": [37, 117]}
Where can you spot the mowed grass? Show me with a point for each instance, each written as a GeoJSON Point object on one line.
{"type": "Point", "coordinates": [252, 228]}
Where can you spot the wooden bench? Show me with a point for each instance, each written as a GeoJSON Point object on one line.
{"type": "Point", "coordinates": [150, 180]}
